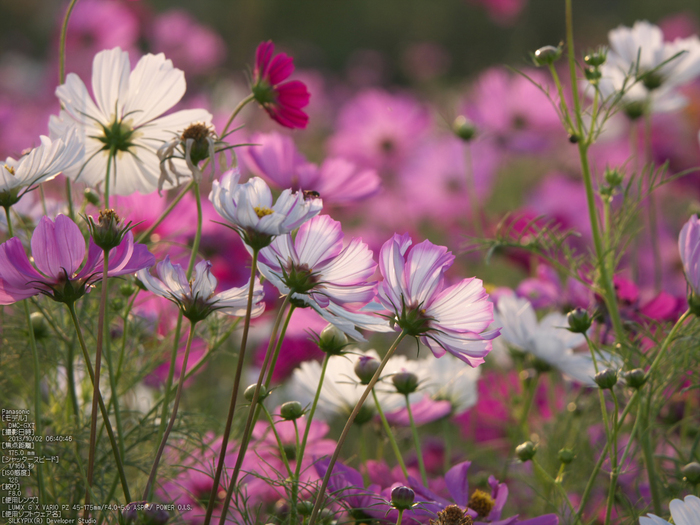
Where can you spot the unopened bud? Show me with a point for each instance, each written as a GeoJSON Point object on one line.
{"type": "Point", "coordinates": [305, 508]}
{"type": "Point", "coordinates": [126, 289]}
{"type": "Point", "coordinates": [464, 128]}
{"type": "Point", "coordinates": [39, 326]}
{"type": "Point", "coordinates": [592, 74]}
{"type": "Point", "coordinates": [332, 340]}
{"type": "Point", "coordinates": [91, 196]}
{"type": "Point", "coordinates": [291, 410]}
{"type": "Point", "coordinates": [606, 379]}
{"type": "Point", "coordinates": [579, 321]}
{"type": "Point", "coordinates": [405, 382]}
{"type": "Point", "coordinates": [691, 473]}
{"type": "Point", "coordinates": [596, 58]}
{"type": "Point", "coordinates": [402, 498]}
{"type": "Point", "coordinates": [250, 392]}
{"type": "Point", "coordinates": [694, 303]}
{"type": "Point", "coordinates": [546, 55]}
{"type": "Point", "coordinates": [613, 177]}
{"type": "Point", "coordinates": [109, 230]}
{"type": "Point", "coordinates": [635, 378]}
{"type": "Point", "coordinates": [365, 368]}
{"type": "Point", "coordinates": [526, 451]}
{"type": "Point", "coordinates": [566, 456]}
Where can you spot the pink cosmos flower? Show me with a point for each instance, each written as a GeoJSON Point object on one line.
{"type": "Point", "coordinates": [282, 100]}
{"type": "Point", "coordinates": [447, 319]}
{"type": "Point", "coordinates": [318, 272]}
{"type": "Point", "coordinates": [379, 130]}
{"type": "Point", "coordinates": [58, 251]}
{"type": "Point", "coordinates": [337, 180]}
{"type": "Point", "coordinates": [689, 246]}
{"type": "Point", "coordinates": [191, 46]}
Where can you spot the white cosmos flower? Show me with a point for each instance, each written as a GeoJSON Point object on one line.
{"type": "Point", "coordinates": [548, 339]}
{"type": "Point", "coordinates": [685, 512]}
{"type": "Point", "coordinates": [640, 52]}
{"type": "Point", "coordinates": [249, 208]}
{"type": "Point", "coordinates": [341, 388]}
{"type": "Point", "coordinates": [125, 115]}
{"type": "Point", "coordinates": [39, 165]}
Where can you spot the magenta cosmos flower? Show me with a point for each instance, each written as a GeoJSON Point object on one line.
{"type": "Point", "coordinates": [318, 272]}
{"type": "Point", "coordinates": [58, 251]}
{"type": "Point", "coordinates": [447, 319]}
{"type": "Point", "coordinates": [689, 246]}
{"type": "Point", "coordinates": [282, 100]}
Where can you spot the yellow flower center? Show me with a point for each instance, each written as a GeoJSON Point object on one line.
{"type": "Point", "coordinates": [10, 169]}
{"type": "Point", "coordinates": [481, 502]}
{"type": "Point", "coordinates": [262, 211]}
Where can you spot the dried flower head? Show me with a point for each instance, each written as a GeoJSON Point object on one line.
{"type": "Point", "coordinates": [452, 515]}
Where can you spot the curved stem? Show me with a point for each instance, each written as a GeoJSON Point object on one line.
{"type": "Point", "coordinates": [198, 234]}
{"type": "Point", "coordinates": [253, 409]}
{"type": "Point", "coordinates": [156, 461]}
{"type": "Point", "coordinates": [416, 443]}
{"type": "Point", "coordinates": [101, 322]}
{"type": "Point", "coordinates": [390, 435]}
{"type": "Point", "coordinates": [145, 235]}
{"type": "Point", "coordinates": [103, 409]}
{"type": "Point", "coordinates": [236, 388]}
{"type": "Point", "coordinates": [236, 111]}
{"type": "Point", "coordinates": [280, 445]}
{"type": "Point", "coordinates": [326, 478]}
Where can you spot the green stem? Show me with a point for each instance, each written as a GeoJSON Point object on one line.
{"type": "Point", "coordinates": [416, 443]}
{"type": "Point", "coordinates": [648, 455]}
{"type": "Point", "coordinates": [253, 409]}
{"type": "Point", "coordinates": [280, 445]}
{"type": "Point", "coordinates": [302, 447]}
{"type": "Point", "coordinates": [234, 392]}
{"type": "Point", "coordinates": [96, 383]}
{"type": "Point", "coordinates": [613, 461]}
{"type": "Point", "coordinates": [398, 520]}
{"type": "Point", "coordinates": [609, 295]}
{"type": "Point", "coordinates": [236, 111]}
{"type": "Point", "coordinates": [278, 347]}
{"type": "Point", "coordinates": [542, 472]}
{"type": "Point", "coordinates": [390, 435]}
{"type": "Point", "coordinates": [178, 394]}
{"type": "Point", "coordinates": [651, 208]}
{"type": "Point", "coordinates": [145, 235]}
{"type": "Point", "coordinates": [37, 380]}
{"type": "Point", "coordinates": [326, 478]}
{"type": "Point", "coordinates": [103, 409]}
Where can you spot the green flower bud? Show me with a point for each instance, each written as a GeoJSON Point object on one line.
{"type": "Point", "coordinates": [691, 473]}
{"type": "Point", "coordinates": [126, 289]}
{"type": "Point", "coordinates": [635, 378]}
{"type": "Point", "coordinates": [332, 340]}
{"type": "Point", "coordinates": [305, 508]}
{"type": "Point", "coordinates": [592, 74]}
{"type": "Point", "coordinates": [606, 379]}
{"type": "Point", "coordinates": [405, 382]}
{"type": "Point", "coordinates": [596, 58]}
{"type": "Point", "coordinates": [40, 326]}
{"type": "Point", "coordinates": [694, 303]}
{"type": "Point", "coordinates": [250, 392]}
{"type": "Point", "coordinates": [546, 55]}
{"type": "Point", "coordinates": [613, 177]}
{"type": "Point", "coordinates": [109, 230]}
{"type": "Point", "coordinates": [291, 410]}
{"type": "Point", "coordinates": [464, 128]}
{"type": "Point", "coordinates": [579, 321]}
{"type": "Point", "coordinates": [635, 110]}
{"type": "Point", "coordinates": [365, 368]}
{"type": "Point", "coordinates": [91, 196]}
{"type": "Point", "coordinates": [526, 451]}
{"type": "Point", "coordinates": [566, 456]}
{"type": "Point", "coordinates": [402, 498]}
{"type": "Point", "coordinates": [574, 138]}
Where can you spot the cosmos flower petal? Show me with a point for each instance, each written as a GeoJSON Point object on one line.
{"type": "Point", "coordinates": [457, 483]}
{"type": "Point", "coordinates": [110, 82]}
{"type": "Point", "coordinates": [58, 247]}
{"type": "Point", "coordinates": [319, 240]}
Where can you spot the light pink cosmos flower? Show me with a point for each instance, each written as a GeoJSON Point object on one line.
{"type": "Point", "coordinates": [450, 319]}
{"type": "Point", "coordinates": [319, 272]}
{"type": "Point", "coordinates": [58, 251]}
{"type": "Point", "coordinates": [689, 246]}
{"type": "Point", "coordinates": [338, 181]}
{"type": "Point", "coordinates": [195, 297]}
{"type": "Point", "coordinates": [282, 100]}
